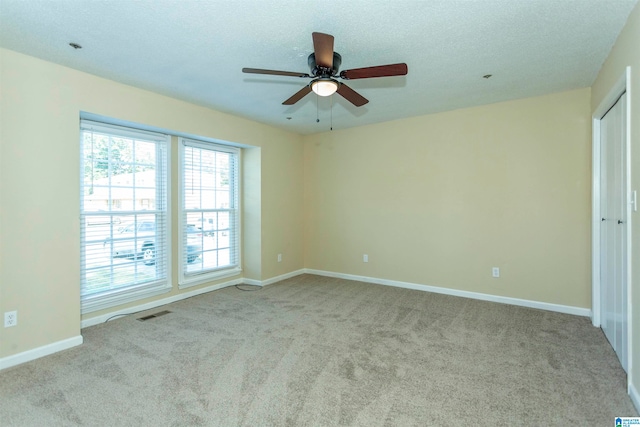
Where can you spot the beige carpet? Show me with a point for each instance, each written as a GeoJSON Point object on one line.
{"type": "Point", "coordinates": [316, 351]}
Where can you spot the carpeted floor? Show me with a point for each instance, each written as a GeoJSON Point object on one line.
{"type": "Point", "coordinates": [317, 351]}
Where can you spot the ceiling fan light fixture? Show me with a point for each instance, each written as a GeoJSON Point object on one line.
{"type": "Point", "coordinates": [324, 87]}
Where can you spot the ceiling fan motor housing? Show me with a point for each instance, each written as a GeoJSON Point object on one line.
{"type": "Point", "coordinates": [324, 71]}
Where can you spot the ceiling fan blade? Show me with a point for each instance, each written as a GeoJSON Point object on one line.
{"type": "Point", "coordinates": [298, 96]}
{"type": "Point", "coordinates": [351, 95]}
{"type": "Point", "coordinates": [323, 49]}
{"type": "Point", "coordinates": [379, 71]}
{"type": "Point", "coordinates": [274, 72]}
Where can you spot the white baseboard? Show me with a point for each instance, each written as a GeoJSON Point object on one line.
{"type": "Point", "coordinates": [635, 396]}
{"type": "Point", "coordinates": [153, 304]}
{"type": "Point", "coordinates": [36, 353]}
{"type": "Point", "coordinates": [282, 277]}
{"type": "Point", "coordinates": [273, 280]}
{"type": "Point", "coordinates": [579, 311]}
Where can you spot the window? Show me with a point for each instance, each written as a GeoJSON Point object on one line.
{"type": "Point", "coordinates": [123, 215]}
{"type": "Point", "coordinates": [209, 219]}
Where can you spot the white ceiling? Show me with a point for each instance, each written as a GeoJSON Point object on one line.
{"type": "Point", "coordinates": [195, 50]}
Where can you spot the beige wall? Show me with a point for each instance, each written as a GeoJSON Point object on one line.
{"type": "Point", "coordinates": [626, 52]}
{"type": "Point", "coordinates": [441, 199]}
{"type": "Point", "coordinates": [39, 188]}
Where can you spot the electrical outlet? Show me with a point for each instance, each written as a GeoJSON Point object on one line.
{"type": "Point", "coordinates": [365, 258]}
{"type": "Point", "coordinates": [10, 319]}
{"type": "Point", "coordinates": [279, 257]}
{"type": "Point", "coordinates": [495, 271]}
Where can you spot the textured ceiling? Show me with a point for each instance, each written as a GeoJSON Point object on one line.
{"type": "Point", "coordinates": [195, 50]}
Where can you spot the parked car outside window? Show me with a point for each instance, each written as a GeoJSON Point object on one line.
{"type": "Point", "coordinates": [206, 225]}
{"type": "Point", "coordinates": [138, 240]}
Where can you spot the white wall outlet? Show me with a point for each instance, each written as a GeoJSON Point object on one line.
{"type": "Point", "coordinates": [10, 319]}
{"type": "Point", "coordinates": [495, 271]}
{"type": "Point", "coordinates": [365, 258]}
{"type": "Point", "coordinates": [279, 257]}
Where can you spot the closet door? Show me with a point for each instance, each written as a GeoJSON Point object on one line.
{"type": "Point", "coordinates": [613, 256]}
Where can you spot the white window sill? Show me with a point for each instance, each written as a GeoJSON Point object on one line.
{"type": "Point", "coordinates": [199, 279]}
{"type": "Point", "coordinates": [101, 302]}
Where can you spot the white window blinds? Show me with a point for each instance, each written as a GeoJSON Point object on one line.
{"type": "Point", "coordinates": [123, 214]}
{"type": "Point", "coordinates": [209, 212]}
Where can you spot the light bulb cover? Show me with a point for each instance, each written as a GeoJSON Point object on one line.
{"type": "Point", "coordinates": [324, 87]}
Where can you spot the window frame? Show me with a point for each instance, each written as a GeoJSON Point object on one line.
{"type": "Point", "coordinates": [134, 292]}
{"type": "Point", "coordinates": [186, 279]}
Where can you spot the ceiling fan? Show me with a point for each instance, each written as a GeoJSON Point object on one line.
{"type": "Point", "coordinates": [324, 64]}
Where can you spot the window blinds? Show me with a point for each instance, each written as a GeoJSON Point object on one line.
{"type": "Point", "coordinates": [123, 214]}
{"type": "Point", "coordinates": [209, 210]}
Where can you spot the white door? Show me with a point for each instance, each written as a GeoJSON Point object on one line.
{"type": "Point", "coordinates": [613, 230]}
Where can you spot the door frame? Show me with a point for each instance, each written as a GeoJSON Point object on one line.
{"type": "Point", "coordinates": [621, 86]}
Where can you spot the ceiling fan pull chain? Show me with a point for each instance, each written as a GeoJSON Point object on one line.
{"type": "Point", "coordinates": [331, 125]}
{"type": "Point", "coordinates": [317, 113]}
